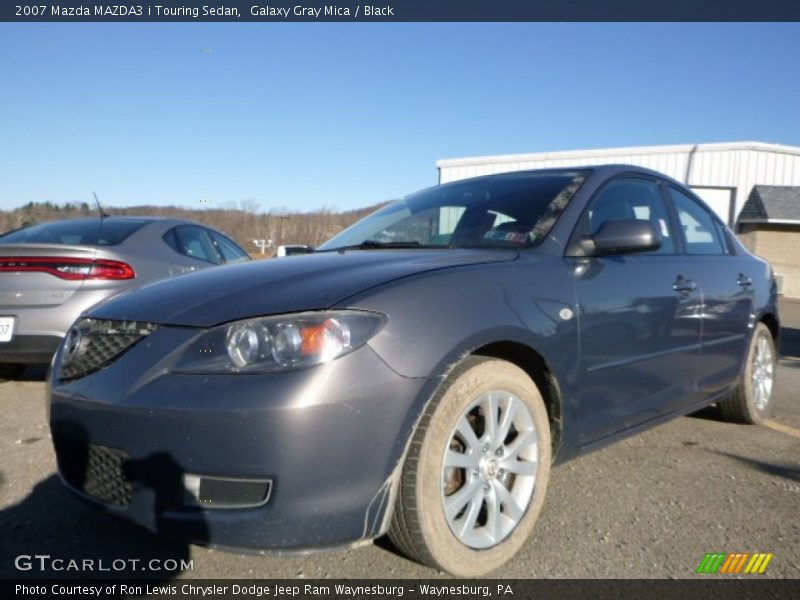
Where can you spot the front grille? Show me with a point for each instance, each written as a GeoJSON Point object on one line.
{"type": "Point", "coordinates": [92, 344]}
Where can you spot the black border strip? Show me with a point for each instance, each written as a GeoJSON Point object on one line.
{"type": "Point", "coordinates": [401, 11]}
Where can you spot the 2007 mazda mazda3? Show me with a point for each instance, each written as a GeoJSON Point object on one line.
{"type": "Point", "coordinates": [419, 373]}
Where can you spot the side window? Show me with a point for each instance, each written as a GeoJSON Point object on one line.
{"type": "Point", "coordinates": [630, 198]}
{"type": "Point", "coordinates": [230, 252]}
{"type": "Point", "coordinates": [701, 232]}
{"type": "Point", "coordinates": [193, 242]}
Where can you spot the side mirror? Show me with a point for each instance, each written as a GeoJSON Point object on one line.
{"type": "Point", "coordinates": [290, 249]}
{"type": "Point", "coordinates": [622, 236]}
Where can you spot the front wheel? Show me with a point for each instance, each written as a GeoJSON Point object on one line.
{"type": "Point", "coordinates": [476, 472]}
{"type": "Point", "coordinates": [751, 401]}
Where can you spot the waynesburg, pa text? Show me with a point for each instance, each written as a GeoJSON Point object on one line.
{"type": "Point", "coordinates": [265, 590]}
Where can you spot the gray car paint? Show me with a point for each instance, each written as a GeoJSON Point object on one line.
{"type": "Point", "coordinates": [307, 282]}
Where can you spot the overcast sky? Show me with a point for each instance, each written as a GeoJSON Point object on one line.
{"type": "Point", "coordinates": [308, 115]}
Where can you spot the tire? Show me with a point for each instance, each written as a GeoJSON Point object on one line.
{"type": "Point", "coordinates": [10, 370]}
{"type": "Point", "coordinates": [751, 401]}
{"type": "Point", "coordinates": [493, 524]}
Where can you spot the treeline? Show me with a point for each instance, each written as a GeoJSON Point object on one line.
{"type": "Point", "coordinates": [244, 223]}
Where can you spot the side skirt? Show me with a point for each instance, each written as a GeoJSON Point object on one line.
{"type": "Point", "coordinates": [619, 435]}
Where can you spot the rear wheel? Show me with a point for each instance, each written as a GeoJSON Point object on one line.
{"type": "Point", "coordinates": [476, 473]}
{"type": "Point", "coordinates": [10, 370]}
{"type": "Point", "coordinates": [751, 401]}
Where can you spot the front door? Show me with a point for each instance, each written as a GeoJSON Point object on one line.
{"type": "Point", "coordinates": [639, 331]}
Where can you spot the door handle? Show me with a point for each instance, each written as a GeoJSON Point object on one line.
{"type": "Point", "coordinates": [744, 280]}
{"type": "Point", "coordinates": [684, 285]}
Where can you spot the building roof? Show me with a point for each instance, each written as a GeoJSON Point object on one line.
{"type": "Point", "coordinates": [603, 152]}
{"type": "Point", "coordinates": [772, 204]}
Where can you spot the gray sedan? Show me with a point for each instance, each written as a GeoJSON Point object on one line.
{"type": "Point", "coordinates": [419, 373]}
{"type": "Point", "coordinates": [50, 273]}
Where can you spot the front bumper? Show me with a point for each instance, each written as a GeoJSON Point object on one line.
{"type": "Point", "coordinates": [29, 349]}
{"type": "Point", "coordinates": [328, 439]}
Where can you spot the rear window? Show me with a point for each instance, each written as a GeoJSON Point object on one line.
{"type": "Point", "coordinates": [90, 233]}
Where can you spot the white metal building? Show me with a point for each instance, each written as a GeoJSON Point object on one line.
{"type": "Point", "coordinates": [722, 174]}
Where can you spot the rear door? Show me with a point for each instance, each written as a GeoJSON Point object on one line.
{"type": "Point", "coordinates": [639, 335]}
{"type": "Point", "coordinates": [728, 294]}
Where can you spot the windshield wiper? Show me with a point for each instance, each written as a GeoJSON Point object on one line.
{"type": "Point", "coordinates": [379, 245]}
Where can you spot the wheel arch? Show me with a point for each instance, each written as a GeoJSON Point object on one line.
{"type": "Point", "coordinates": [508, 344]}
{"type": "Point", "coordinates": [772, 323]}
{"type": "Point", "coordinates": [536, 367]}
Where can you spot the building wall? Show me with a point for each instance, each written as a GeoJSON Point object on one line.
{"type": "Point", "coordinates": [780, 245]}
{"type": "Point", "coordinates": [739, 165]}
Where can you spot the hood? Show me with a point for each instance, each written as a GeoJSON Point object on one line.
{"type": "Point", "coordinates": [284, 285]}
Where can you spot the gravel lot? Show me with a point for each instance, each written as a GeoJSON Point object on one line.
{"type": "Point", "coordinates": [650, 506]}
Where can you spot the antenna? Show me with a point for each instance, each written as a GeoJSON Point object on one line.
{"type": "Point", "coordinates": [103, 213]}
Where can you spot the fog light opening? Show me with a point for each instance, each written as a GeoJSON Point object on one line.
{"type": "Point", "coordinates": [225, 492]}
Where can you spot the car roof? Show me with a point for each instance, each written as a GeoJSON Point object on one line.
{"type": "Point", "coordinates": [615, 168]}
{"type": "Point", "coordinates": [602, 170]}
{"type": "Point", "coordinates": [163, 224]}
{"type": "Point", "coordinates": [122, 218]}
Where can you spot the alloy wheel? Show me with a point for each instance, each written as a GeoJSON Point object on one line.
{"type": "Point", "coordinates": [489, 469]}
{"type": "Point", "coordinates": [762, 373]}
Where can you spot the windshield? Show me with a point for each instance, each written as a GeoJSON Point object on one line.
{"type": "Point", "coordinates": [512, 211]}
{"type": "Point", "coordinates": [89, 232]}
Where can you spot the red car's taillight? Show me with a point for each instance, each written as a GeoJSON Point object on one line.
{"type": "Point", "coordinates": [73, 269]}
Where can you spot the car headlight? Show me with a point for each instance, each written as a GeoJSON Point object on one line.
{"type": "Point", "coordinates": [282, 343]}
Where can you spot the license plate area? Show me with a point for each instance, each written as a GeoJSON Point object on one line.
{"type": "Point", "coordinates": [7, 328]}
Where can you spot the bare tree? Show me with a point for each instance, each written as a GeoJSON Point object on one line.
{"type": "Point", "coordinates": [244, 222]}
